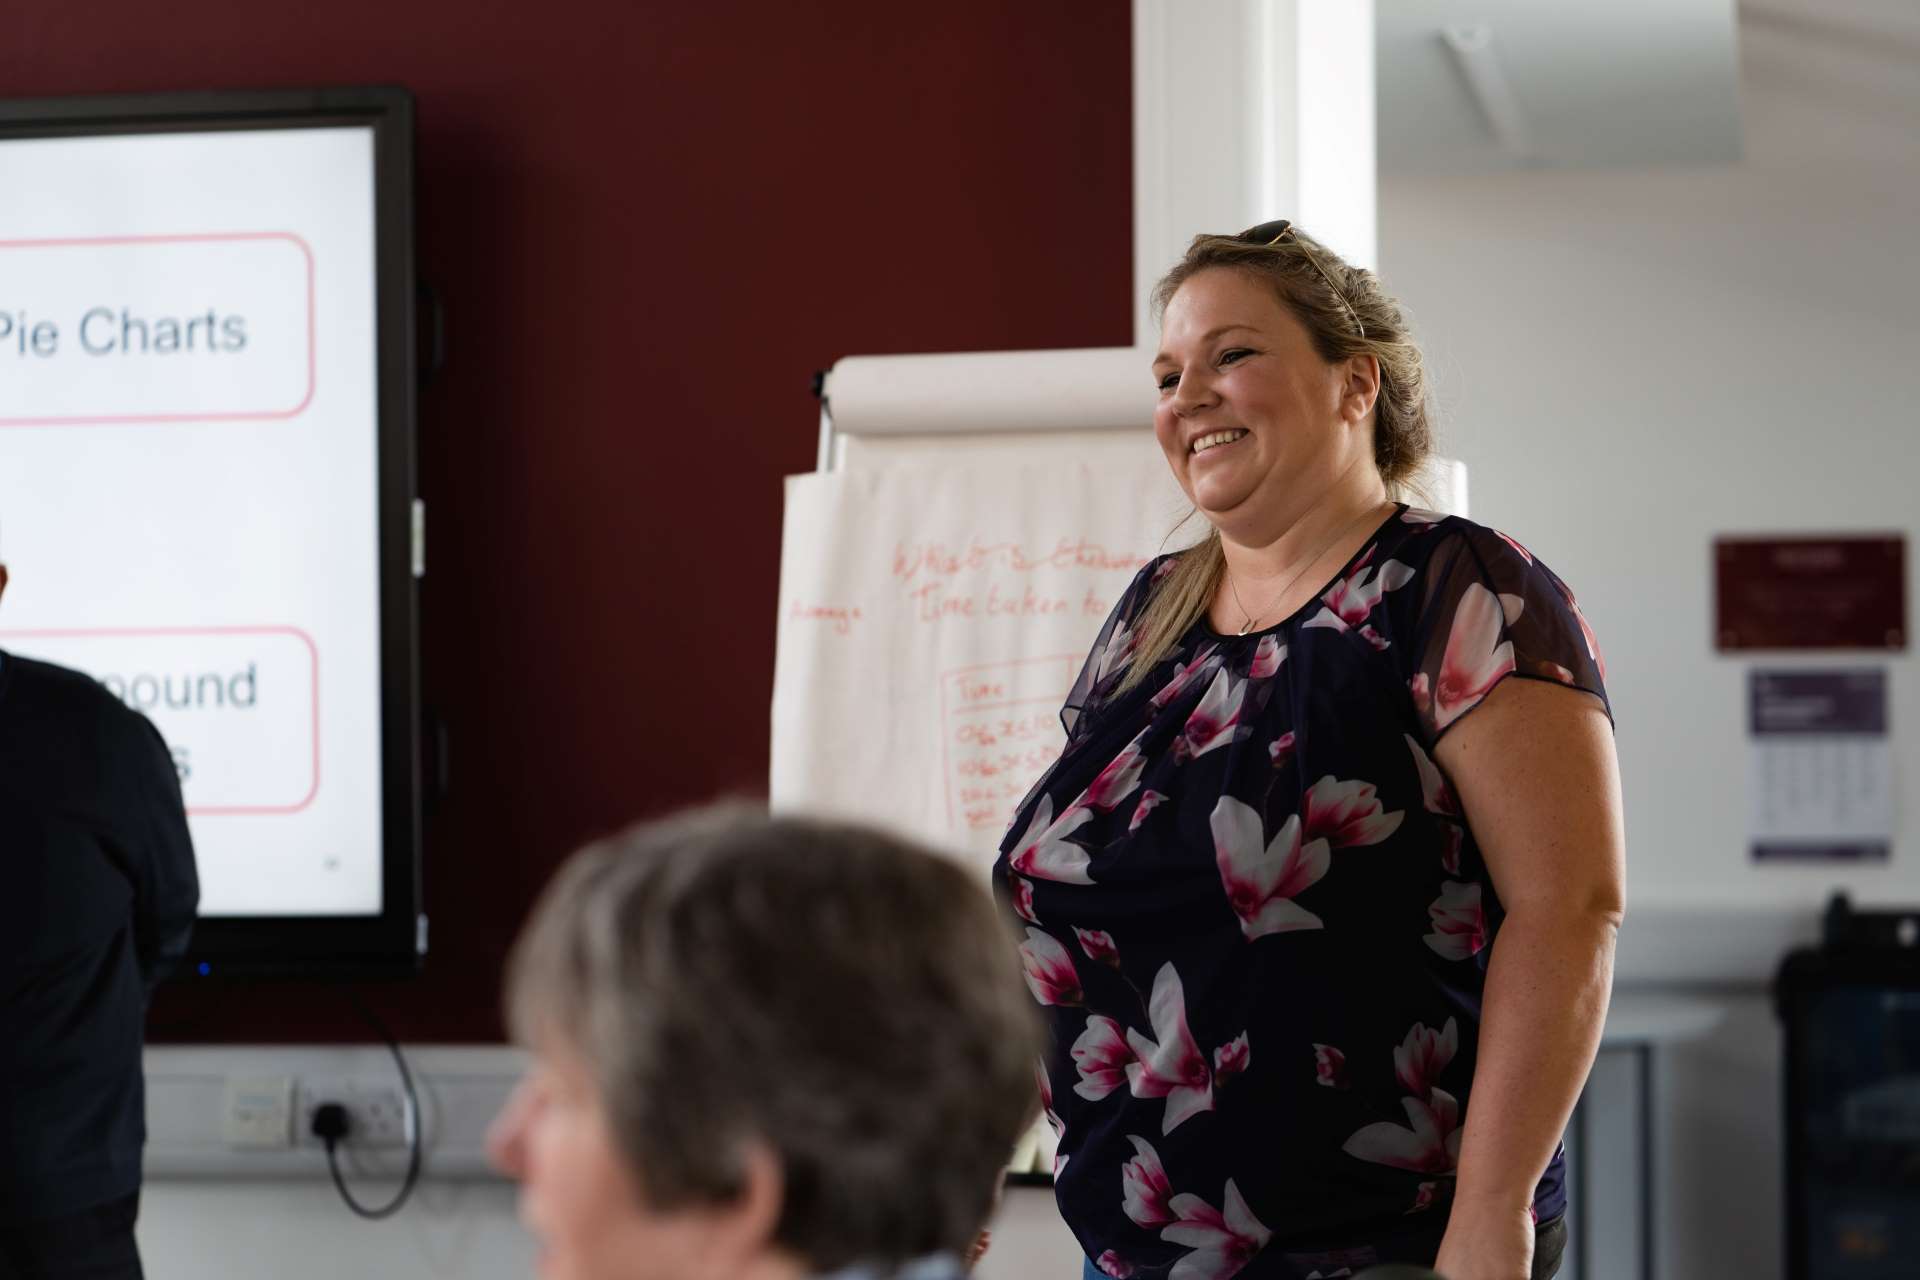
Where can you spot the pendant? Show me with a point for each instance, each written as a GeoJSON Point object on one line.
{"type": "Point", "coordinates": [1246, 626]}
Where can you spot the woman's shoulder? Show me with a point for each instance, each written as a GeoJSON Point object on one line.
{"type": "Point", "coordinates": [1421, 538]}
{"type": "Point", "coordinates": [1133, 601]}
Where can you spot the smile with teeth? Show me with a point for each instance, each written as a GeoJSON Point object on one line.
{"type": "Point", "coordinates": [1216, 439]}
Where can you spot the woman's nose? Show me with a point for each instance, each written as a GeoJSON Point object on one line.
{"type": "Point", "coordinates": [1190, 393]}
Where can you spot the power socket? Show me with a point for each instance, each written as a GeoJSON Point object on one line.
{"type": "Point", "coordinates": [376, 1110]}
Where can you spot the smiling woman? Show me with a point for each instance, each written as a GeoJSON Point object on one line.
{"type": "Point", "coordinates": [1283, 372]}
{"type": "Point", "coordinates": [1312, 866]}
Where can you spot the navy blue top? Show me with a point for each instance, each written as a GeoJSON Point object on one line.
{"type": "Point", "coordinates": [1258, 921]}
{"type": "Point", "coordinates": [98, 890]}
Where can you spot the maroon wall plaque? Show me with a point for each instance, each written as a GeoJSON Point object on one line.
{"type": "Point", "coordinates": [1810, 593]}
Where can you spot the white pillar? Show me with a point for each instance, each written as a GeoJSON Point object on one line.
{"type": "Point", "coordinates": [1246, 110]}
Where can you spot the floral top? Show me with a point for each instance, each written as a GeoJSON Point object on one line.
{"type": "Point", "coordinates": [1258, 920]}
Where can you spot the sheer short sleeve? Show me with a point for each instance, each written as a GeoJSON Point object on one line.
{"type": "Point", "coordinates": [1114, 647]}
{"type": "Point", "coordinates": [1489, 610]}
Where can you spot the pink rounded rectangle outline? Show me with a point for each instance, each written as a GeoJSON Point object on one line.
{"type": "Point", "coordinates": [276, 415]}
{"type": "Point", "coordinates": [313, 656]}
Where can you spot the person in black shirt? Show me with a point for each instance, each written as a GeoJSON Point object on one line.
{"type": "Point", "coordinates": [98, 892]}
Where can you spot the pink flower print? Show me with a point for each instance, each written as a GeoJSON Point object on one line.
{"type": "Point", "coordinates": [1230, 1059]}
{"type": "Point", "coordinates": [1524, 553]}
{"type": "Point", "coordinates": [1112, 1264]}
{"type": "Point", "coordinates": [1459, 924]}
{"type": "Point", "coordinates": [1222, 1243]}
{"type": "Point", "coordinates": [1434, 788]}
{"type": "Point", "coordinates": [1114, 655]}
{"type": "Point", "coordinates": [1044, 852]}
{"type": "Point", "coordinates": [1424, 1054]}
{"type": "Point", "coordinates": [1184, 676]}
{"type": "Point", "coordinates": [1281, 749]}
{"type": "Point", "coordinates": [1049, 970]}
{"type": "Point", "coordinates": [1267, 657]}
{"type": "Point", "coordinates": [1099, 946]}
{"type": "Point", "coordinates": [1216, 721]}
{"type": "Point", "coordinates": [1349, 602]}
{"type": "Point", "coordinates": [1144, 1189]}
{"type": "Point", "coordinates": [1348, 813]}
{"type": "Point", "coordinates": [1475, 659]}
{"type": "Point", "coordinates": [1164, 568]}
{"type": "Point", "coordinates": [1117, 781]}
{"type": "Point", "coordinates": [1374, 638]}
{"type": "Point", "coordinates": [1451, 838]}
{"type": "Point", "coordinates": [1022, 891]}
{"type": "Point", "coordinates": [1046, 1102]}
{"type": "Point", "coordinates": [1425, 1196]}
{"type": "Point", "coordinates": [1261, 878]}
{"type": "Point", "coordinates": [1431, 1145]}
{"type": "Point", "coordinates": [1174, 1068]}
{"type": "Point", "coordinates": [1101, 1055]}
{"type": "Point", "coordinates": [1148, 799]}
{"type": "Point", "coordinates": [1422, 690]}
{"type": "Point", "coordinates": [1329, 1066]}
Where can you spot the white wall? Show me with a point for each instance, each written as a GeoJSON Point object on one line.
{"type": "Point", "coordinates": [229, 1229]}
{"type": "Point", "coordinates": [1633, 362]}
{"type": "Point", "coordinates": [220, 1229]}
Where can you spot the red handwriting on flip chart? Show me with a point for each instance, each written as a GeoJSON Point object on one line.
{"type": "Point", "coordinates": [1039, 726]}
{"type": "Point", "coordinates": [923, 560]}
{"type": "Point", "coordinates": [840, 617]}
{"type": "Point", "coordinates": [1000, 729]}
{"type": "Point", "coordinates": [939, 602]}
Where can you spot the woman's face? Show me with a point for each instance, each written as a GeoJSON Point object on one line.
{"type": "Point", "coordinates": [577, 1195]}
{"type": "Point", "coordinates": [1253, 422]}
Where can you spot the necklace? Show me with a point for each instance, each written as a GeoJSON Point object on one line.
{"type": "Point", "coordinates": [1247, 625]}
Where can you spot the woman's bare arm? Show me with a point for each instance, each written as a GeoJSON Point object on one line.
{"type": "Point", "coordinates": [1535, 771]}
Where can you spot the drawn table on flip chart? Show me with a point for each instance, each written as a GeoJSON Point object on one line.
{"type": "Point", "coordinates": [932, 622]}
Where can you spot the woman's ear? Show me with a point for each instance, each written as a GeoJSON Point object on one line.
{"type": "Point", "coordinates": [1360, 388]}
{"type": "Point", "coordinates": [741, 1230]}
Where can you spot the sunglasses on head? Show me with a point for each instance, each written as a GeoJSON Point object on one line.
{"type": "Point", "coordinates": [1272, 233]}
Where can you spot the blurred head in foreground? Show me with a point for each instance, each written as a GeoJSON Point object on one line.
{"type": "Point", "coordinates": [763, 1048]}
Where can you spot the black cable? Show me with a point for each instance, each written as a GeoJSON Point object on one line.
{"type": "Point", "coordinates": [330, 1124]}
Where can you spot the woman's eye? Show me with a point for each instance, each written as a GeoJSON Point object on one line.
{"type": "Point", "coordinates": [1233, 356]}
{"type": "Point", "coordinates": [1168, 383]}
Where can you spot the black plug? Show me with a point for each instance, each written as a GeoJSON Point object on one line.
{"type": "Point", "coordinates": [330, 1123]}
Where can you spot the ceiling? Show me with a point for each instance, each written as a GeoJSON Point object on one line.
{"type": "Point", "coordinates": [1557, 84]}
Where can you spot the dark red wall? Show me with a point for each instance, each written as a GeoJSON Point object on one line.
{"type": "Point", "coordinates": [650, 225]}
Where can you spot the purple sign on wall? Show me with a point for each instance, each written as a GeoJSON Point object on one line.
{"type": "Point", "coordinates": [1821, 785]}
{"type": "Point", "coordinates": [1817, 702]}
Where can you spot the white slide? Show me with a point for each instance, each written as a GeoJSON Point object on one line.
{"type": "Point", "coordinates": [188, 478]}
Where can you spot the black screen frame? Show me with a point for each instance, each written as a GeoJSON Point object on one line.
{"type": "Point", "coordinates": [392, 943]}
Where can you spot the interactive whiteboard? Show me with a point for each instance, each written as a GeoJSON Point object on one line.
{"type": "Point", "coordinates": [191, 481]}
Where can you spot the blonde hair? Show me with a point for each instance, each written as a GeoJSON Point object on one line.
{"type": "Point", "coordinates": [1346, 313]}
